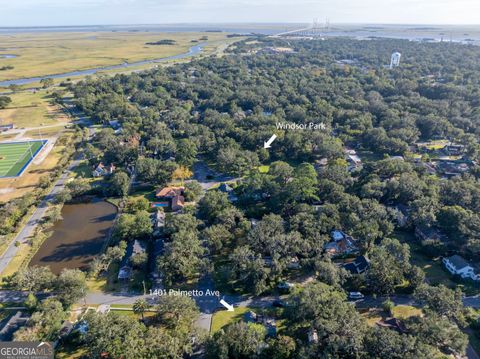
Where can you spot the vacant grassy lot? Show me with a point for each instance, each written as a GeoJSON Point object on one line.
{"type": "Point", "coordinates": [40, 54]}
{"type": "Point", "coordinates": [224, 317]}
{"type": "Point", "coordinates": [405, 311]}
{"type": "Point", "coordinates": [31, 109]}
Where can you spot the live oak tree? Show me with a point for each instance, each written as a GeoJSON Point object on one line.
{"type": "Point", "coordinates": [339, 327]}
{"type": "Point", "coordinates": [442, 301]}
{"type": "Point", "coordinates": [134, 226]}
{"type": "Point", "coordinates": [118, 184]}
{"type": "Point", "coordinates": [44, 323]}
{"type": "Point", "coordinates": [183, 257]}
{"type": "Point", "coordinates": [236, 341]}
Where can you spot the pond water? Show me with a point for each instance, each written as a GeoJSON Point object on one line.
{"type": "Point", "coordinates": [8, 56]}
{"type": "Point", "coordinates": [78, 237]}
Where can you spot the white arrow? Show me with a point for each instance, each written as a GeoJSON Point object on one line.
{"type": "Point", "coordinates": [269, 142]}
{"type": "Point", "coordinates": [226, 305]}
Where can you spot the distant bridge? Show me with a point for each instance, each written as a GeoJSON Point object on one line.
{"type": "Point", "coordinates": [314, 30]}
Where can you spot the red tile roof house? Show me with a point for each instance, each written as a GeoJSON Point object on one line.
{"type": "Point", "coordinates": [172, 195]}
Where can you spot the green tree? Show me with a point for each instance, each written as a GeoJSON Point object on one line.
{"type": "Point", "coordinates": [45, 322]}
{"type": "Point", "coordinates": [4, 101]}
{"type": "Point", "coordinates": [212, 205]}
{"type": "Point", "coordinates": [33, 279]}
{"type": "Point", "coordinates": [182, 258]}
{"type": "Point", "coordinates": [140, 306]}
{"type": "Point", "coordinates": [70, 286]}
{"type": "Point", "coordinates": [439, 332]}
{"type": "Point", "coordinates": [186, 152]}
{"type": "Point", "coordinates": [237, 341]}
{"type": "Point", "coordinates": [47, 82]}
{"type": "Point", "coordinates": [118, 184]}
{"type": "Point", "coordinates": [134, 226]}
{"type": "Point", "coordinates": [442, 301]}
{"type": "Point", "coordinates": [339, 326]}
{"type": "Point", "coordinates": [118, 335]}
{"type": "Point", "coordinates": [193, 191]}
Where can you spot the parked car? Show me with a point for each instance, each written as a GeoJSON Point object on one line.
{"type": "Point", "coordinates": [285, 287]}
{"type": "Point", "coordinates": [355, 296]}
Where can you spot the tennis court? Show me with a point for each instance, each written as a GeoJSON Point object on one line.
{"type": "Point", "coordinates": [16, 156]}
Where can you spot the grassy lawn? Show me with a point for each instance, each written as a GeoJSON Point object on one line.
{"type": "Point", "coordinates": [45, 132]}
{"type": "Point", "coordinates": [105, 283]}
{"type": "Point", "coordinates": [224, 317]}
{"type": "Point", "coordinates": [147, 193]}
{"type": "Point", "coordinates": [52, 53]}
{"type": "Point", "coordinates": [16, 261]}
{"type": "Point", "coordinates": [372, 316]}
{"type": "Point", "coordinates": [433, 267]}
{"type": "Point", "coordinates": [83, 170]}
{"type": "Point", "coordinates": [405, 311]}
{"type": "Point", "coordinates": [29, 109]}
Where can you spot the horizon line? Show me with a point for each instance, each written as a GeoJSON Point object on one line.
{"type": "Point", "coordinates": [237, 23]}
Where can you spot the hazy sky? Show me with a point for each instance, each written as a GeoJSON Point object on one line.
{"type": "Point", "coordinates": [91, 12]}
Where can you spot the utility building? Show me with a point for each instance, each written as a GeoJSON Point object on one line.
{"type": "Point", "coordinates": [395, 60]}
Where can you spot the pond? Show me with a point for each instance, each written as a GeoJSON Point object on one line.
{"type": "Point", "coordinates": [78, 237]}
{"type": "Point", "coordinates": [7, 56]}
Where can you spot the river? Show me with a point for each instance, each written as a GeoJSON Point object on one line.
{"type": "Point", "coordinates": [194, 50]}
{"type": "Point", "coordinates": [78, 237]}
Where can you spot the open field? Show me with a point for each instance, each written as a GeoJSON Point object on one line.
{"type": "Point", "coordinates": [16, 156]}
{"type": "Point", "coordinates": [223, 317]}
{"type": "Point", "coordinates": [31, 109]}
{"type": "Point", "coordinates": [40, 54]}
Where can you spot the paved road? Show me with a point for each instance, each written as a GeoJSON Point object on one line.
{"type": "Point", "coordinates": [36, 217]}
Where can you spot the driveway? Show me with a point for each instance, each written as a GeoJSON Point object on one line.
{"type": "Point", "coordinates": [207, 177]}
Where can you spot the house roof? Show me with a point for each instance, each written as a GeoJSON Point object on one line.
{"type": "Point", "coordinates": [138, 247]}
{"type": "Point", "coordinates": [359, 265]}
{"type": "Point", "coordinates": [337, 235]}
{"type": "Point", "coordinates": [458, 262]}
{"type": "Point", "coordinates": [170, 192]}
{"type": "Point", "coordinates": [178, 201]}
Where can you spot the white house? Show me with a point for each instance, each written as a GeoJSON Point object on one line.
{"type": "Point", "coordinates": [459, 266]}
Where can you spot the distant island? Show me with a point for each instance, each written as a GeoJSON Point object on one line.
{"type": "Point", "coordinates": [162, 42]}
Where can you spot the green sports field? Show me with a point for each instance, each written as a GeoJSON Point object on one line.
{"type": "Point", "coordinates": [16, 156]}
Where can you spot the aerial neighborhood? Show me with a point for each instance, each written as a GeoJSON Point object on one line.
{"type": "Point", "coordinates": [278, 195]}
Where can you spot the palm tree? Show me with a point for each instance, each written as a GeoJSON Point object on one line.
{"type": "Point", "coordinates": [140, 307]}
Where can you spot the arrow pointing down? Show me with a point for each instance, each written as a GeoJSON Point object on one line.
{"type": "Point", "coordinates": [226, 305]}
{"type": "Point", "coordinates": [269, 142]}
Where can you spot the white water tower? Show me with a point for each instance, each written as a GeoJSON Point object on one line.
{"type": "Point", "coordinates": [395, 60]}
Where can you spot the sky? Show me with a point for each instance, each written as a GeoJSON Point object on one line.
{"type": "Point", "coordinates": [111, 12]}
